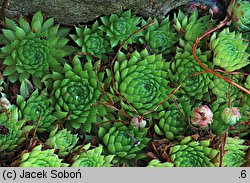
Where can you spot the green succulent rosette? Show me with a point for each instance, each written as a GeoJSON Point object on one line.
{"type": "Point", "coordinates": [75, 94]}
{"type": "Point", "coordinates": [92, 158]}
{"type": "Point", "coordinates": [159, 36]}
{"type": "Point", "coordinates": [191, 27]}
{"type": "Point", "coordinates": [170, 122]}
{"type": "Point", "coordinates": [91, 40]}
{"type": "Point", "coordinates": [241, 15]}
{"type": "Point", "coordinates": [229, 50]}
{"type": "Point", "coordinates": [157, 163]}
{"type": "Point", "coordinates": [142, 79]}
{"type": "Point", "coordinates": [190, 153]}
{"type": "Point", "coordinates": [12, 130]}
{"type": "Point", "coordinates": [235, 152]}
{"type": "Point", "coordinates": [184, 66]}
{"type": "Point", "coordinates": [41, 158]}
{"type": "Point", "coordinates": [125, 142]}
{"type": "Point", "coordinates": [37, 105]}
{"type": "Point", "coordinates": [32, 49]}
{"type": "Point", "coordinates": [221, 89]}
{"type": "Point", "coordinates": [118, 27]}
{"type": "Point", "coordinates": [62, 140]}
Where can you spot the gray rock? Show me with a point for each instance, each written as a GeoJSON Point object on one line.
{"type": "Point", "coordinates": [82, 11]}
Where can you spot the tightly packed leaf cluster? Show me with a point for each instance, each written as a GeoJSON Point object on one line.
{"type": "Point", "coordinates": [125, 91]}
{"type": "Point", "coordinates": [190, 153]}
{"type": "Point", "coordinates": [92, 158]}
{"type": "Point", "coordinates": [32, 49]}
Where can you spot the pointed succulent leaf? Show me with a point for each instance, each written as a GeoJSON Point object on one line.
{"type": "Point", "coordinates": [62, 140]}
{"type": "Point", "coordinates": [75, 91]}
{"type": "Point", "coordinates": [41, 158]}
{"type": "Point", "coordinates": [32, 49]}
{"type": "Point", "coordinates": [193, 154]}
{"type": "Point", "coordinates": [13, 134]}
{"type": "Point", "coordinates": [124, 142]}
{"type": "Point", "coordinates": [229, 50]}
{"type": "Point", "coordinates": [92, 158]}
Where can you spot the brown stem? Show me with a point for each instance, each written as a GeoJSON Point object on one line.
{"type": "Point", "coordinates": [232, 73]}
{"type": "Point", "coordinates": [162, 102]}
{"type": "Point", "coordinates": [173, 92]}
{"type": "Point", "coordinates": [112, 121]}
{"type": "Point", "coordinates": [85, 53]}
{"type": "Point", "coordinates": [37, 124]}
{"type": "Point", "coordinates": [245, 127]}
{"type": "Point", "coordinates": [222, 147]}
{"type": "Point", "coordinates": [103, 90]}
{"type": "Point", "coordinates": [65, 119]}
{"type": "Point", "coordinates": [113, 107]}
{"type": "Point", "coordinates": [129, 104]}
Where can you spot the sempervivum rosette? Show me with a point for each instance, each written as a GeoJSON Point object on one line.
{"type": "Point", "coordinates": [157, 163]}
{"type": "Point", "coordinates": [142, 79]}
{"type": "Point", "coordinates": [184, 66]}
{"type": "Point", "coordinates": [191, 26]}
{"type": "Point", "coordinates": [241, 15]}
{"type": "Point", "coordinates": [41, 158]}
{"type": "Point", "coordinates": [62, 140]}
{"type": "Point", "coordinates": [37, 105]}
{"type": "Point", "coordinates": [229, 50]}
{"type": "Point", "coordinates": [235, 152]}
{"type": "Point", "coordinates": [75, 92]}
{"type": "Point", "coordinates": [193, 154]}
{"type": "Point", "coordinates": [31, 50]}
{"type": "Point", "coordinates": [171, 123]}
{"type": "Point", "coordinates": [119, 27]}
{"type": "Point", "coordinates": [159, 36]}
{"type": "Point", "coordinates": [125, 142]}
{"type": "Point", "coordinates": [92, 158]}
{"type": "Point", "coordinates": [221, 89]}
{"type": "Point", "coordinates": [91, 40]}
{"type": "Point", "coordinates": [12, 130]}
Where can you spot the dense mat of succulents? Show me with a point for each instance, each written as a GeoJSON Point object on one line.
{"type": "Point", "coordinates": [125, 90]}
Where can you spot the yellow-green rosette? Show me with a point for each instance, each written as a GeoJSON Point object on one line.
{"type": "Point", "coordinates": [12, 130]}
{"type": "Point", "coordinates": [92, 158]}
{"type": "Point", "coordinates": [157, 163]}
{"type": "Point", "coordinates": [41, 158]}
{"type": "Point", "coordinates": [190, 153]}
{"type": "Point", "coordinates": [235, 152]}
{"type": "Point", "coordinates": [63, 140]}
{"type": "Point", "coordinates": [229, 50]}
